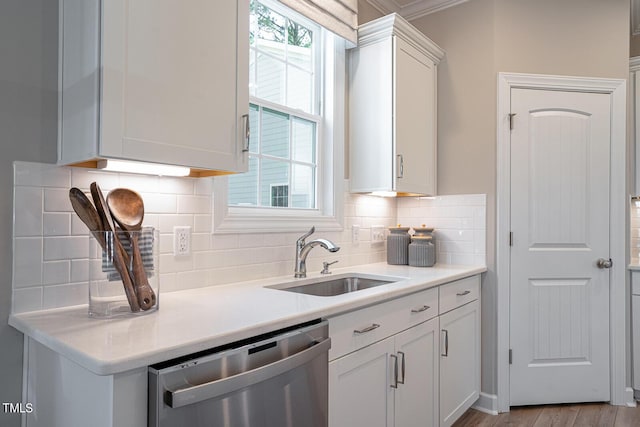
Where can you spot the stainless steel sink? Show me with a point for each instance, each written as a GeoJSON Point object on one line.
{"type": "Point", "coordinates": [335, 285]}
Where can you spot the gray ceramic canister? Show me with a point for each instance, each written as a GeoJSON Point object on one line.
{"type": "Point", "coordinates": [422, 251]}
{"type": "Point", "coordinates": [398, 245]}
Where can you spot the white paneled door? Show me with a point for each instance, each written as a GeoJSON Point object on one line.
{"type": "Point", "coordinates": [559, 308]}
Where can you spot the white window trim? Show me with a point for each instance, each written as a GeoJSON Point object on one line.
{"type": "Point", "coordinates": [330, 213]}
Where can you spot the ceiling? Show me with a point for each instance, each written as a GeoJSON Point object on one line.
{"type": "Point", "coordinates": [413, 9]}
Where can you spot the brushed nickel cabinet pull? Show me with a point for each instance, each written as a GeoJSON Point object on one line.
{"type": "Point", "coordinates": [402, 367]}
{"type": "Point", "coordinates": [446, 343]}
{"type": "Point", "coordinates": [395, 371]}
{"type": "Point", "coordinates": [421, 309]}
{"type": "Point", "coordinates": [247, 132]}
{"type": "Point", "coordinates": [461, 294]}
{"type": "Point", "coordinates": [367, 329]}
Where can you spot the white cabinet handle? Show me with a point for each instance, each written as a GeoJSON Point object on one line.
{"type": "Point", "coordinates": [421, 309]}
{"type": "Point", "coordinates": [367, 329]}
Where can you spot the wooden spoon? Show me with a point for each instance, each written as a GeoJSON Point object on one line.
{"type": "Point", "coordinates": [119, 253]}
{"type": "Point", "coordinates": [127, 208]}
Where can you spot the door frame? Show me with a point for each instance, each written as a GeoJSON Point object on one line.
{"type": "Point", "coordinates": [618, 327]}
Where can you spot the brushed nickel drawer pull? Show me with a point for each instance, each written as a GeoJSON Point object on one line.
{"type": "Point", "coordinates": [461, 294]}
{"type": "Point", "coordinates": [367, 329]}
{"type": "Point", "coordinates": [421, 309]}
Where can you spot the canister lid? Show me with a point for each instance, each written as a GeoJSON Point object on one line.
{"type": "Point", "coordinates": [399, 229]}
{"type": "Point", "coordinates": [423, 229]}
{"type": "Point", "coordinates": [421, 239]}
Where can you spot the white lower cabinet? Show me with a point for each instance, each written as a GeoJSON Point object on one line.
{"type": "Point", "coordinates": [459, 361]}
{"type": "Point", "coordinates": [393, 382]}
{"type": "Point", "coordinates": [399, 364]}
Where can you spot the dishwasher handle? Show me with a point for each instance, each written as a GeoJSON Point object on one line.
{"type": "Point", "coordinates": [190, 395]}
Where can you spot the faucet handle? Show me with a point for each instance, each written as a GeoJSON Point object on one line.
{"type": "Point", "coordinates": [307, 234]}
{"type": "Point", "coordinates": [325, 267]}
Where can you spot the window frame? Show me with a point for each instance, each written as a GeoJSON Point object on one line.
{"type": "Point", "coordinates": [329, 212]}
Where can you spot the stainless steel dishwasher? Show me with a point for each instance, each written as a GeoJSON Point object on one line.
{"type": "Point", "coordinates": [277, 379]}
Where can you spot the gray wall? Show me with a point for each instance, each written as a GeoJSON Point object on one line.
{"type": "Point", "coordinates": [482, 38]}
{"type": "Point", "coordinates": [28, 131]}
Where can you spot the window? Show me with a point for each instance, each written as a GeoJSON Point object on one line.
{"type": "Point", "coordinates": [296, 115]}
{"type": "Point", "coordinates": [284, 84]}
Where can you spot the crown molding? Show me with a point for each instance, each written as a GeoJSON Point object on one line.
{"type": "Point", "coordinates": [395, 25]}
{"type": "Point", "coordinates": [417, 8]}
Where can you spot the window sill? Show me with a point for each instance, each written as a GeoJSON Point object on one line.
{"type": "Point", "coordinates": [240, 220]}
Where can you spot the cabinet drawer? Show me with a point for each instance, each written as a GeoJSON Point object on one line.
{"type": "Point", "coordinates": [380, 321]}
{"type": "Point", "coordinates": [459, 293]}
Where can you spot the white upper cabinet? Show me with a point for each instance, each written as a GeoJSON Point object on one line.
{"type": "Point", "coordinates": [392, 108]}
{"type": "Point", "coordinates": [155, 81]}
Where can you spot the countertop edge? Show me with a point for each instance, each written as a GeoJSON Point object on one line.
{"type": "Point", "coordinates": [25, 323]}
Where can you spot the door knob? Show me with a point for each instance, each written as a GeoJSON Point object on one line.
{"type": "Point", "coordinates": [604, 263]}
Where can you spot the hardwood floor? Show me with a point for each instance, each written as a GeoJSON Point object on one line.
{"type": "Point", "coordinates": [583, 415]}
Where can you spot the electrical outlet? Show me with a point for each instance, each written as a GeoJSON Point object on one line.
{"type": "Point", "coordinates": [181, 241]}
{"type": "Point", "coordinates": [355, 233]}
{"type": "Point", "coordinates": [377, 233]}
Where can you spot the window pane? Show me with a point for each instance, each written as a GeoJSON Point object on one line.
{"type": "Point", "coordinates": [304, 140]}
{"type": "Point", "coordinates": [303, 182]}
{"type": "Point", "coordinates": [270, 80]}
{"type": "Point", "coordinates": [254, 128]}
{"type": "Point", "coordinates": [243, 188]}
{"type": "Point", "coordinates": [273, 173]}
{"type": "Point", "coordinates": [268, 28]}
{"type": "Point", "coordinates": [299, 51]}
{"type": "Point", "coordinates": [275, 133]}
{"type": "Point", "coordinates": [300, 86]}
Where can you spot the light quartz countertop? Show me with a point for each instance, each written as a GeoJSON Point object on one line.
{"type": "Point", "coordinates": [198, 319]}
{"type": "Point", "coordinates": [634, 266]}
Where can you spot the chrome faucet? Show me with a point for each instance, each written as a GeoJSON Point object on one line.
{"type": "Point", "coordinates": [303, 249]}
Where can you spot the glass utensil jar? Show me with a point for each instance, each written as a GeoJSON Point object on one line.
{"type": "Point", "coordinates": [107, 296]}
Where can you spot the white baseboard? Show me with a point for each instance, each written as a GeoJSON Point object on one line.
{"type": "Point", "coordinates": [488, 403]}
{"type": "Point", "coordinates": [628, 398]}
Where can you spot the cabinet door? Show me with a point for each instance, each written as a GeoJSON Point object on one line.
{"type": "Point", "coordinates": [415, 124]}
{"type": "Point", "coordinates": [459, 361]}
{"type": "Point", "coordinates": [175, 82]}
{"type": "Point", "coordinates": [360, 392]}
{"type": "Point", "coordinates": [416, 401]}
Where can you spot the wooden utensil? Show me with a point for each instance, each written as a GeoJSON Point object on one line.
{"type": "Point", "coordinates": [127, 208]}
{"type": "Point", "coordinates": [118, 251]}
{"type": "Point", "coordinates": [88, 214]}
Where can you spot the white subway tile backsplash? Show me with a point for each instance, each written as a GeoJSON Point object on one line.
{"type": "Point", "coordinates": [194, 204]}
{"type": "Point", "coordinates": [160, 203]}
{"type": "Point", "coordinates": [167, 222]}
{"type": "Point", "coordinates": [51, 247]}
{"type": "Point", "coordinates": [56, 224]}
{"type": "Point", "coordinates": [64, 248]}
{"type": "Point", "coordinates": [57, 200]}
{"type": "Point", "coordinates": [28, 211]}
{"type": "Point", "coordinates": [27, 299]}
{"type": "Point", "coordinates": [82, 178]}
{"type": "Point", "coordinates": [64, 295]}
{"type": "Point", "coordinates": [56, 272]}
{"type": "Point", "coordinates": [27, 261]}
{"type": "Point", "coordinates": [27, 174]}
